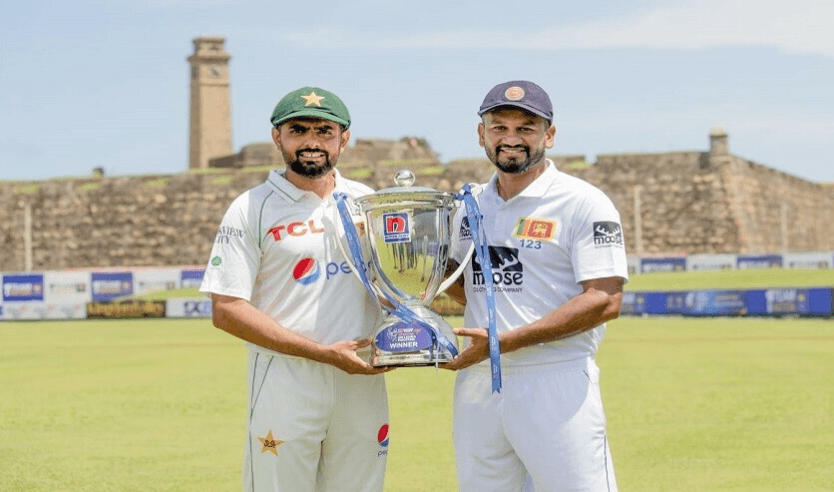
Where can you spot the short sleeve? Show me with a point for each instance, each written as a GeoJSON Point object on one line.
{"type": "Point", "coordinates": [598, 245]}
{"type": "Point", "coordinates": [235, 257]}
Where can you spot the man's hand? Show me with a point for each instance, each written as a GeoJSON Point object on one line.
{"type": "Point", "coordinates": [477, 350]}
{"type": "Point", "coordinates": [343, 355]}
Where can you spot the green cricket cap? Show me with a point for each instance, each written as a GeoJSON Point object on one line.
{"type": "Point", "coordinates": [311, 102]}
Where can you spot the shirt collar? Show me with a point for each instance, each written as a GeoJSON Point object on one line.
{"type": "Point", "coordinates": [278, 182]}
{"type": "Point", "coordinates": [535, 189]}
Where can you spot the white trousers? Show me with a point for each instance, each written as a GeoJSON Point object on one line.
{"type": "Point", "coordinates": [546, 427]}
{"type": "Point", "coordinates": [313, 428]}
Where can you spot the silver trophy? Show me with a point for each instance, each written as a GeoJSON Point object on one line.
{"type": "Point", "coordinates": [407, 230]}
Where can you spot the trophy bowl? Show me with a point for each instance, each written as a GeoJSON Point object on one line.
{"type": "Point", "coordinates": [408, 230]}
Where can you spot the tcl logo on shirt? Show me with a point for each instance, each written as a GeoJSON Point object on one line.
{"type": "Point", "coordinates": [296, 229]}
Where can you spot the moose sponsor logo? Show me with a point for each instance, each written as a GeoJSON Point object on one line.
{"type": "Point", "coordinates": [465, 231]}
{"type": "Point", "coordinates": [608, 234]}
{"type": "Point", "coordinates": [507, 270]}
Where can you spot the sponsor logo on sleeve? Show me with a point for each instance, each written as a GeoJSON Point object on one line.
{"type": "Point", "coordinates": [465, 231]}
{"type": "Point", "coordinates": [226, 234]}
{"type": "Point", "coordinates": [608, 234]}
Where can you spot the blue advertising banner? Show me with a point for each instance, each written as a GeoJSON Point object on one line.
{"type": "Point", "coordinates": [108, 286]}
{"type": "Point", "coordinates": [672, 264]}
{"type": "Point", "coordinates": [657, 302]}
{"type": "Point", "coordinates": [808, 302]}
{"type": "Point", "coordinates": [675, 302]}
{"type": "Point", "coordinates": [633, 303]}
{"type": "Point", "coordinates": [759, 261]}
{"type": "Point", "coordinates": [28, 287]}
{"type": "Point", "coordinates": [192, 278]}
{"type": "Point", "coordinates": [715, 303]}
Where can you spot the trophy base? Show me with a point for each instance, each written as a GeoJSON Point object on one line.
{"type": "Point", "coordinates": [399, 343]}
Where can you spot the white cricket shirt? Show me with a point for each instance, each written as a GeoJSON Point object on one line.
{"type": "Point", "coordinates": [557, 232]}
{"type": "Point", "coordinates": [276, 248]}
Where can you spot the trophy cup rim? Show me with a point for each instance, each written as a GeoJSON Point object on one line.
{"type": "Point", "coordinates": [402, 196]}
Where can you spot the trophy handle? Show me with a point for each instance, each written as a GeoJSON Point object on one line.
{"type": "Point", "coordinates": [457, 273]}
{"type": "Point", "coordinates": [380, 296]}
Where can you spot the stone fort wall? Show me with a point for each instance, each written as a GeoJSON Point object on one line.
{"type": "Point", "coordinates": [670, 203]}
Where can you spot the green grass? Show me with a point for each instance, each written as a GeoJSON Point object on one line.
{"type": "Point", "coordinates": [742, 405]}
{"type": "Point", "coordinates": [27, 189]}
{"type": "Point", "coordinates": [665, 281]}
{"type": "Point", "coordinates": [160, 295]}
{"type": "Point", "coordinates": [156, 183]}
{"type": "Point", "coordinates": [89, 186]}
{"type": "Point", "coordinates": [731, 279]}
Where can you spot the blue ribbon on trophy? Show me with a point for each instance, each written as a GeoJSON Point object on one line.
{"type": "Point", "coordinates": [474, 216]}
{"type": "Point", "coordinates": [398, 309]}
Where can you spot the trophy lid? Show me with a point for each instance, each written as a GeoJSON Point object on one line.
{"type": "Point", "coordinates": [405, 192]}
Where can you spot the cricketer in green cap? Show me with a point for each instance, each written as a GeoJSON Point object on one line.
{"type": "Point", "coordinates": [311, 102]}
{"type": "Point", "coordinates": [309, 127]}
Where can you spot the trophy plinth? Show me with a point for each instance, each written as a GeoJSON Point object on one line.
{"type": "Point", "coordinates": [401, 343]}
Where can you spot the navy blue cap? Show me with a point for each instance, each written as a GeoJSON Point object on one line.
{"type": "Point", "coordinates": [521, 94]}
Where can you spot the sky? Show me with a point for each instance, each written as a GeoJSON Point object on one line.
{"type": "Point", "coordinates": [105, 83]}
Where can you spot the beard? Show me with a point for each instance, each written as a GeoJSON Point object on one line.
{"type": "Point", "coordinates": [309, 168]}
{"type": "Point", "coordinates": [515, 165]}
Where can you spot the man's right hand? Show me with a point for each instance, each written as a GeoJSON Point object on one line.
{"type": "Point", "coordinates": [343, 355]}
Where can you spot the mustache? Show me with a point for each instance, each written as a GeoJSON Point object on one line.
{"type": "Point", "coordinates": [300, 151]}
{"type": "Point", "coordinates": [513, 147]}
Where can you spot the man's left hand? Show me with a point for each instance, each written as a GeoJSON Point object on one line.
{"type": "Point", "coordinates": [476, 351]}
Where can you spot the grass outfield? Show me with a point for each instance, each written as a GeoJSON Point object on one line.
{"type": "Point", "coordinates": [731, 279]}
{"type": "Point", "coordinates": [670, 281]}
{"type": "Point", "coordinates": [693, 405]}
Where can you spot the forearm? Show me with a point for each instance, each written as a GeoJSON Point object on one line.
{"type": "Point", "coordinates": [456, 291]}
{"type": "Point", "coordinates": [239, 318]}
{"type": "Point", "coordinates": [583, 312]}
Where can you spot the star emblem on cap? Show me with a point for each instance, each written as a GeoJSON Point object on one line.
{"type": "Point", "coordinates": [270, 444]}
{"type": "Point", "coordinates": [312, 99]}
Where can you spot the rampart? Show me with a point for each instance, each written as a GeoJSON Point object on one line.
{"type": "Point", "coordinates": [670, 203]}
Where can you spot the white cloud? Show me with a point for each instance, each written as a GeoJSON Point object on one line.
{"type": "Point", "coordinates": [798, 26]}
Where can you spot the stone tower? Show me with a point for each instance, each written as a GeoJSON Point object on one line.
{"type": "Point", "coordinates": [211, 122]}
{"type": "Point", "coordinates": [718, 141]}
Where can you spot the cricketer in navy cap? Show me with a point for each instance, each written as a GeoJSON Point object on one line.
{"type": "Point", "coordinates": [521, 94]}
